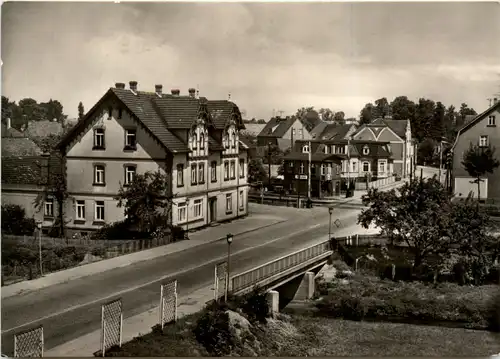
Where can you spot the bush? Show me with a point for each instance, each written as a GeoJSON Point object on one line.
{"type": "Point", "coordinates": [212, 330]}
{"type": "Point", "coordinates": [119, 230]}
{"type": "Point", "coordinates": [177, 233]}
{"type": "Point", "coordinates": [256, 307]}
{"type": "Point", "coordinates": [14, 221]}
{"type": "Point", "coordinates": [494, 313]}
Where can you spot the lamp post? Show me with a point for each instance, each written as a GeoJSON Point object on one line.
{"type": "Point", "coordinates": [39, 226]}
{"type": "Point", "coordinates": [229, 239]}
{"type": "Point", "coordinates": [330, 212]}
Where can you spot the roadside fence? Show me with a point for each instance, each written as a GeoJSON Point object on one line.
{"type": "Point", "coordinates": [168, 303]}
{"type": "Point", "coordinates": [220, 280]}
{"type": "Point", "coordinates": [29, 343]}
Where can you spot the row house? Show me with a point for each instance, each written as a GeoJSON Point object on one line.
{"type": "Point", "coordinates": [193, 141]}
{"type": "Point", "coordinates": [483, 130]}
{"type": "Point", "coordinates": [334, 163]}
{"type": "Point", "coordinates": [398, 134]}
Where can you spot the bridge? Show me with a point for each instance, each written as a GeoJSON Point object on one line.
{"type": "Point", "coordinates": [286, 278]}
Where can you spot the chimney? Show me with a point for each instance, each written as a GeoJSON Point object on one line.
{"type": "Point", "coordinates": [133, 85]}
{"type": "Point", "coordinates": [158, 89]}
{"type": "Point", "coordinates": [495, 100]}
{"type": "Point", "coordinates": [120, 85]}
{"type": "Point", "coordinates": [175, 92]}
{"type": "Point", "coordinates": [192, 92]}
{"type": "Point", "coordinates": [8, 123]}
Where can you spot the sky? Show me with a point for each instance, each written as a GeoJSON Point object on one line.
{"type": "Point", "coordinates": [268, 56]}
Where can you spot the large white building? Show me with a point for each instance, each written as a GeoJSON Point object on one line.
{"type": "Point", "coordinates": [193, 140]}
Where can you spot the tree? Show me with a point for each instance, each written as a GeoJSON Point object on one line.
{"type": "Point", "coordinates": [366, 115]}
{"type": "Point", "coordinates": [409, 216]}
{"type": "Point", "coordinates": [382, 108]}
{"type": "Point", "coordinates": [403, 109]}
{"type": "Point", "coordinates": [339, 117]}
{"type": "Point", "coordinates": [423, 119]}
{"type": "Point", "coordinates": [52, 110]}
{"type": "Point", "coordinates": [326, 114]}
{"type": "Point", "coordinates": [261, 121]}
{"type": "Point", "coordinates": [478, 161]}
{"type": "Point", "coordinates": [81, 111]}
{"type": "Point", "coordinates": [147, 200]}
{"type": "Point", "coordinates": [256, 171]}
{"type": "Point", "coordinates": [437, 129]}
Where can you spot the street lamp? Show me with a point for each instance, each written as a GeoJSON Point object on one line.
{"type": "Point", "coordinates": [330, 212]}
{"type": "Point", "coordinates": [39, 226]}
{"type": "Point", "coordinates": [229, 239]}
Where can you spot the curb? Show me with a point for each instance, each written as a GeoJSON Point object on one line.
{"type": "Point", "coordinates": [28, 290]}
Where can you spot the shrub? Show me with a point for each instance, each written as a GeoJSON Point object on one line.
{"type": "Point", "coordinates": [494, 313]}
{"type": "Point", "coordinates": [256, 307]}
{"type": "Point", "coordinates": [118, 230]}
{"type": "Point", "coordinates": [212, 330]}
{"type": "Point", "coordinates": [177, 233]}
{"type": "Point", "coordinates": [14, 221]}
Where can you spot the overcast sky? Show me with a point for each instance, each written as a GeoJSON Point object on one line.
{"type": "Point", "coordinates": [268, 55]}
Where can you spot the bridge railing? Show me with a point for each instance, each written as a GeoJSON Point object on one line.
{"type": "Point", "coordinates": [253, 276]}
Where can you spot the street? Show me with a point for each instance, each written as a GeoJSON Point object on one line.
{"type": "Point", "coordinates": [72, 309]}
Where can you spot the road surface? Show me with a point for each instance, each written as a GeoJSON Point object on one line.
{"type": "Point", "coordinates": [73, 309]}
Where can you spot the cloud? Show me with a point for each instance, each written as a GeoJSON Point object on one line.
{"type": "Point", "coordinates": [268, 55]}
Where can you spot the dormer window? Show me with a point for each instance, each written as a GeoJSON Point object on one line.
{"type": "Point", "coordinates": [305, 149]}
{"type": "Point", "coordinates": [366, 150]}
{"type": "Point", "coordinates": [325, 149]}
{"type": "Point", "coordinates": [194, 140]}
{"type": "Point", "coordinates": [226, 140]}
{"type": "Point", "coordinates": [234, 139]}
{"type": "Point", "coordinates": [202, 141]}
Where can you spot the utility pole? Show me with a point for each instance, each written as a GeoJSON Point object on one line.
{"type": "Point", "coordinates": [269, 162]}
{"type": "Point", "coordinates": [348, 167]}
{"type": "Point", "coordinates": [440, 159]}
{"type": "Point", "coordinates": [309, 172]}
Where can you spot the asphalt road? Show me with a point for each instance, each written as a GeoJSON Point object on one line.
{"type": "Point", "coordinates": [73, 309]}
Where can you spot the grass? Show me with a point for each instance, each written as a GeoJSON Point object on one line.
{"type": "Point", "coordinates": [335, 337]}
{"type": "Point", "coordinates": [369, 297]}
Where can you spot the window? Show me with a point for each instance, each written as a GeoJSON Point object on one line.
{"type": "Point", "coordinates": [202, 141]}
{"type": "Point", "coordinates": [322, 169]}
{"type": "Point", "coordinates": [300, 132]}
{"type": "Point", "coordinates": [213, 171]}
{"type": "Point", "coordinates": [194, 140]}
{"type": "Point", "coordinates": [229, 203]}
{"type": "Point", "coordinates": [381, 167]}
{"type": "Point", "coordinates": [180, 175]}
{"type": "Point", "coordinates": [354, 166]}
{"type": "Point", "coordinates": [110, 111]}
{"type": "Point", "coordinates": [325, 149]}
{"type": "Point", "coordinates": [120, 113]}
{"type": "Point", "coordinates": [234, 140]}
{"type": "Point", "coordinates": [483, 141]}
{"type": "Point", "coordinates": [226, 140]}
{"type": "Point", "coordinates": [99, 175]}
{"type": "Point", "coordinates": [98, 139]}
{"type": "Point", "coordinates": [197, 208]}
{"type": "Point", "coordinates": [338, 169]}
{"type": "Point", "coordinates": [99, 211]}
{"type": "Point", "coordinates": [366, 167]}
{"type": "Point", "coordinates": [242, 168]}
{"type": "Point", "coordinates": [301, 168]}
{"type": "Point", "coordinates": [181, 212]}
{"type": "Point", "coordinates": [305, 149]}
{"type": "Point", "coordinates": [233, 169]}
{"type": "Point", "coordinates": [491, 121]}
{"type": "Point", "coordinates": [242, 200]}
{"type": "Point", "coordinates": [80, 210]}
{"type": "Point", "coordinates": [201, 172]}
{"type": "Point", "coordinates": [366, 150]}
{"type": "Point", "coordinates": [130, 139]}
{"type": "Point", "coordinates": [193, 173]}
{"type": "Point", "coordinates": [48, 207]}
{"type": "Point", "coordinates": [129, 174]}
{"type": "Point", "coordinates": [226, 170]}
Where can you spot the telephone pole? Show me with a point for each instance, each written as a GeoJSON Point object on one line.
{"type": "Point", "coordinates": [309, 172]}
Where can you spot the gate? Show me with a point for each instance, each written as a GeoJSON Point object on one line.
{"type": "Point", "coordinates": [29, 344]}
{"type": "Point", "coordinates": [112, 323]}
{"type": "Point", "coordinates": [168, 303]}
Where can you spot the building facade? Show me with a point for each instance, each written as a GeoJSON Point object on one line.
{"type": "Point", "coordinates": [483, 130]}
{"type": "Point", "coordinates": [398, 134]}
{"type": "Point", "coordinates": [193, 141]}
{"type": "Point", "coordinates": [283, 132]}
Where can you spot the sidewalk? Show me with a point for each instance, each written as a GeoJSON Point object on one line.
{"type": "Point", "coordinates": [204, 236]}
{"type": "Point", "coordinates": [137, 325]}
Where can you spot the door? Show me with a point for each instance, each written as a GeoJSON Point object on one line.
{"type": "Point", "coordinates": [213, 209]}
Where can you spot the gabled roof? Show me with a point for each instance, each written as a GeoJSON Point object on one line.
{"type": "Point", "coordinates": [398, 126]}
{"type": "Point", "coordinates": [277, 127]}
{"type": "Point", "coordinates": [29, 170]}
{"type": "Point", "coordinates": [376, 149]}
{"type": "Point", "coordinates": [476, 120]}
{"type": "Point", "coordinates": [10, 132]}
{"type": "Point", "coordinates": [19, 146]}
{"type": "Point", "coordinates": [328, 131]}
{"type": "Point", "coordinates": [160, 115]}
